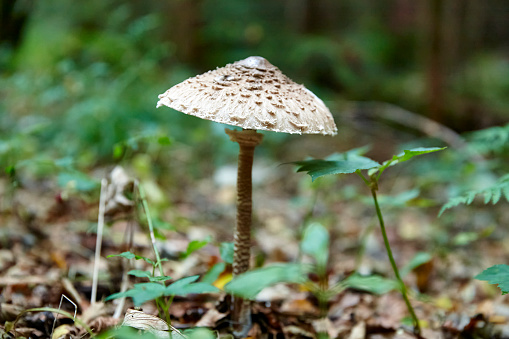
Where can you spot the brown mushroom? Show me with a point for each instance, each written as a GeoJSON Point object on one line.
{"type": "Point", "coordinates": [254, 95]}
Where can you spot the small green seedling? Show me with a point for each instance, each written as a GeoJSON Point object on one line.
{"type": "Point", "coordinates": [353, 162]}
{"type": "Point", "coordinates": [156, 289]}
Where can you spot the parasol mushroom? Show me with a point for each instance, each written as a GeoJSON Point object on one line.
{"type": "Point", "coordinates": [254, 95]}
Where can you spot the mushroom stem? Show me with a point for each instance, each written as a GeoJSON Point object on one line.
{"type": "Point", "coordinates": [247, 140]}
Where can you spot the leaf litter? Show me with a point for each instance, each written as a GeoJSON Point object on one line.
{"type": "Point", "coordinates": [49, 253]}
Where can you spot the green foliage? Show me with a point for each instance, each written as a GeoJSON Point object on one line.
{"type": "Point", "coordinates": [350, 164]}
{"type": "Point", "coordinates": [497, 275]}
{"type": "Point", "coordinates": [490, 140]}
{"type": "Point", "coordinates": [353, 162]}
{"type": "Point", "coordinates": [372, 284]}
{"type": "Point", "coordinates": [491, 194]}
{"type": "Point", "coordinates": [213, 274]}
{"type": "Point", "coordinates": [404, 156]}
{"type": "Point", "coordinates": [125, 332]}
{"type": "Point", "coordinates": [249, 284]}
{"type": "Point", "coordinates": [315, 242]}
{"type": "Point", "coordinates": [143, 292]}
{"type": "Point", "coordinates": [78, 181]}
{"type": "Point", "coordinates": [418, 260]}
{"type": "Point", "coordinates": [130, 255]}
{"type": "Point", "coordinates": [226, 251]}
{"type": "Point", "coordinates": [194, 246]}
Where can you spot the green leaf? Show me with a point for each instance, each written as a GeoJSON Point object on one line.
{"type": "Point", "coordinates": [315, 242]}
{"type": "Point", "coordinates": [199, 333]}
{"type": "Point", "coordinates": [125, 332]}
{"type": "Point", "coordinates": [465, 238]}
{"type": "Point", "coordinates": [491, 194]}
{"type": "Point", "coordinates": [118, 150]}
{"type": "Point", "coordinates": [214, 273]}
{"type": "Point", "coordinates": [129, 255]}
{"type": "Point", "coordinates": [146, 292]}
{"type": "Point", "coordinates": [140, 273]}
{"type": "Point", "coordinates": [128, 293]}
{"type": "Point", "coordinates": [318, 168]}
{"type": "Point", "coordinates": [195, 245]}
{"type": "Point", "coordinates": [141, 293]}
{"type": "Point", "coordinates": [405, 156]}
{"type": "Point", "coordinates": [79, 181]}
{"type": "Point", "coordinates": [497, 275]}
{"type": "Point", "coordinates": [249, 284]}
{"type": "Point", "coordinates": [373, 283]}
{"type": "Point", "coordinates": [187, 285]}
{"type": "Point", "coordinates": [164, 140]}
{"type": "Point", "coordinates": [159, 278]}
{"type": "Point", "coordinates": [418, 260]}
{"type": "Point", "coordinates": [226, 251]}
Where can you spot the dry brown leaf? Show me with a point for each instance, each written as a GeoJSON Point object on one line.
{"type": "Point", "coordinates": [210, 318]}
{"type": "Point", "coordinates": [147, 322]}
{"type": "Point", "coordinates": [358, 331]}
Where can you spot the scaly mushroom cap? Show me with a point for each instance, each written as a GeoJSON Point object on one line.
{"type": "Point", "coordinates": [252, 94]}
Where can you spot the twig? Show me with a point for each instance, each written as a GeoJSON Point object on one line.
{"type": "Point", "coordinates": [125, 279]}
{"type": "Point", "coordinates": [59, 307]}
{"type": "Point", "coordinates": [100, 227]}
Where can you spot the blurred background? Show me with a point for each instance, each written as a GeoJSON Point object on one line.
{"type": "Point", "coordinates": [79, 84]}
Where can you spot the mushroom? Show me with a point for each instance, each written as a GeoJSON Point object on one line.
{"type": "Point", "coordinates": [255, 95]}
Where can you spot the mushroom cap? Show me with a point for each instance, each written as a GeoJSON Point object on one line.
{"type": "Point", "coordinates": [252, 94]}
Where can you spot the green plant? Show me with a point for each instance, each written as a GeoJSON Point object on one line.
{"type": "Point", "coordinates": [125, 332]}
{"type": "Point", "coordinates": [156, 289]}
{"type": "Point", "coordinates": [353, 162]}
{"type": "Point", "coordinates": [491, 194]}
{"type": "Point", "coordinates": [315, 243]}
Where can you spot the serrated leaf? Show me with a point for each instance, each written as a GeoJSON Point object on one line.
{"type": "Point", "coordinates": [318, 168]}
{"type": "Point", "coordinates": [405, 156]}
{"type": "Point", "coordinates": [249, 284]}
{"type": "Point", "coordinates": [491, 194]}
{"type": "Point", "coordinates": [496, 275]}
{"type": "Point", "coordinates": [373, 283]}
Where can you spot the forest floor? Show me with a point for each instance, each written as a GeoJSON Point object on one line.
{"type": "Point", "coordinates": [47, 243]}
